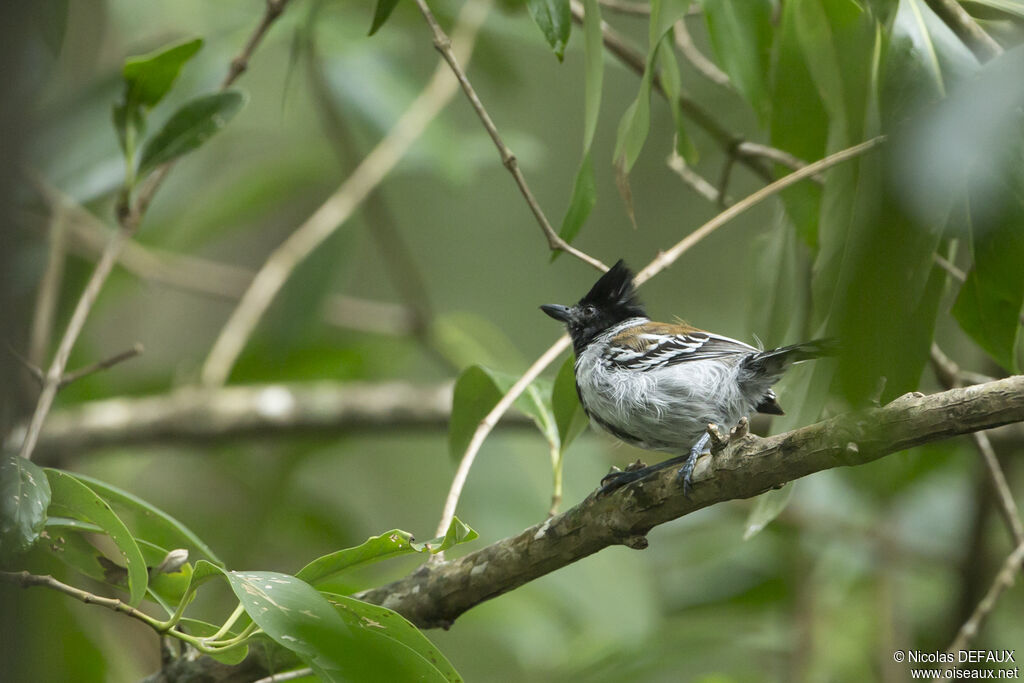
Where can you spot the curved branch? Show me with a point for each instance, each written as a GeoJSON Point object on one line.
{"type": "Point", "coordinates": [435, 595]}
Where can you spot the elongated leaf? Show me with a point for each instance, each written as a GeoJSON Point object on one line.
{"type": "Point", "coordinates": [382, 13]}
{"type": "Point", "coordinates": [189, 127]}
{"type": "Point", "coordinates": [768, 506]}
{"type": "Point", "coordinates": [799, 123]}
{"type": "Point", "coordinates": [477, 391]}
{"type": "Point", "coordinates": [149, 522]}
{"type": "Point", "coordinates": [24, 498]}
{"type": "Point", "coordinates": [672, 82]}
{"type": "Point", "coordinates": [635, 123]}
{"type": "Point", "coordinates": [72, 498]}
{"type": "Point", "coordinates": [991, 301]}
{"type": "Point", "coordinates": [149, 77]}
{"type": "Point", "coordinates": [554, 20]}
{"type": "Point", "coordinates": [741, 36]}
{"type": "Point", "coordinates": [391, 544]}
{"type": "Point", "coordinates": [380, 622]}
{"type": "Point", "coordinates": [584, 190]}
{"type": "Point", "coordinates": [565, 404]}
{"type": "Point", "coordinates": [204, 629]}
{"type": "Point", "coordinates": [1015, 7]}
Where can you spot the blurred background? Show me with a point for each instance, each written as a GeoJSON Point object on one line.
{"type": "Point", "coordinates": [444, 267]}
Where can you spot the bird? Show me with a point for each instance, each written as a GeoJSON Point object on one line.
{"type": "Point", "coordinates": [658, 386]}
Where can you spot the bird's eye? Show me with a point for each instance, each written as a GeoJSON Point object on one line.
{"type": "Point", "coordinates": [589, 311]}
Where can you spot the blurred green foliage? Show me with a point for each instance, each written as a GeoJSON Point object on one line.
{"type": "Point", "coordinates": [851, 564]}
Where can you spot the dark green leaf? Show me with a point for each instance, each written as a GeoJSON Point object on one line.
{"type": "Point", "coordinates": [991, 300]}
{"type": "Point", "coordinates": [768, 506]}
{"type": "Point", "coordinates": [73, 498]}
{"type": "Point", "coordinates": [584, 190]}
{"type": "Point", "coordinates": [671, 81]}
{"type": "Point", "coordinates": [382, 13]}
{"type": "Point", "coordinates": [565, 404]}
{"type": "Point", "coordinates": [189, 127]}
{"type": "Point", "coordinates": [149, 522]}
{"type": "Point", "coordinates": [477, 391]}
{"type": "Point", "coordinates": [149, 77]}
{"type": "Point", "coordinates": [390, 544]}
{"type": "Point", "coordinates": [799, 124]}
{"type": "Point", "coordinates": [555, 22]}
{"type": "Point", "coordinates": [24, 498]}
{"type": "Point", "coordinates": [373, 621]}
{"type": "Point", "coordinates": [741, 35]}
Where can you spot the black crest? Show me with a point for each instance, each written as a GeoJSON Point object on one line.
{"type": "Point", "coordinates": [615, 295]}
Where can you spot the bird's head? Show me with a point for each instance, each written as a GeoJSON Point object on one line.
{"type": "Point", "coordinates": [611, 300]}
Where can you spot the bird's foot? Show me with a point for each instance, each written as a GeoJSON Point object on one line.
{"type": "Point", "coordinates": [685, 472]}
{"type": "Point", "coordinates": [617, 478]}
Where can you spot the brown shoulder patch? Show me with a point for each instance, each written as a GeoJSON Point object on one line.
{"type": "Point", "coordinates": [631, 338]}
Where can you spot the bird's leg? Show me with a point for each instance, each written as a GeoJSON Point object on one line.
{"type": "Point", "coordinates": [619, 478]}
{"type": "Point", "coordinates": [686, 471]}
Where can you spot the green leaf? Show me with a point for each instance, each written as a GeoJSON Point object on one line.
{"type": "Point", "coordinates": [382, 13]}
{"type": "Point", "coordinates": [554, 20]}
{"type": "Point", "coordinates": [741, 36]}
{"type": "Point", "coordinates": [565, 403]}
{"type": "Point", "coordinates": [74, 499]}
{"type": "Point", "coordinates": [584, 189]}
{"type": "Point", "coordinates": [467, 339]}
{"type": "Point", "coordinates": [799, 123]}
{"type": "Point", "coordinates": [990, 302]}
{"type": "Point", "coordinates": [378, 622]}
{"type": "Point", "coordinates": [636, 121]}
{"type": "Point", "coordinates": [301, 619]}
{"type": "Point", "coordinates": [149, 522]}
{"type": "Point", "coordinates": [768, 506]}
{"type": "Point", "coordinates": [391, 544]}
{"type": "Point", "coordinates": [189, 127]}
{"type": "Point", "coordinates": [477, 391]}
{"type": "Point", "coordinates": [149, 77]}
{"type": "Point", "coordinates": [1015, 7]}
{"type": "Point", "coordinates": [671, 81]}
{"type": "Point", "coordinates": [24, 498]}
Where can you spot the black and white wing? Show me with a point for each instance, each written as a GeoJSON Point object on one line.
{"type": "Point", "coordinates": [649, 346]}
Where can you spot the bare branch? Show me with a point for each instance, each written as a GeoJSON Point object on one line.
{"type": "Point", "coordinates": [340, 206]}
{"type": "Point", "coordinates": [1004, 579]}
{"type": "Point", "coordinates": [699, 184]}
{"type": "Point", "coordinates": [49, 291]}
{"type": "Point", "coordinates": [194, 415]}
{"type": "Point", "coordinates": [508, 159]}
{"type": "Point", "coordinates": [27, 580]}
{"type": "Point", "coordinates": [240, 63]}
{"type": "Point", "coordinates": [949, 375]}
{"type": "Point", "coordinates": [967, 29]}
{"type": "Point", "coordinates": [436, 595]}
{"type": "Point", "coordinates": [702, 64]}
{"type": "Point", "coordinates": [667, 258]}
{"type": "Point", "coordinates": [70, 377]}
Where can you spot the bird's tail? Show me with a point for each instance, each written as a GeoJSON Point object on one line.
{"type": "Point", "coordinates": [775, 361]}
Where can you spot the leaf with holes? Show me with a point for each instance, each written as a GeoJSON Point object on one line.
{"type": "Point", "coordinates": [24, 498]}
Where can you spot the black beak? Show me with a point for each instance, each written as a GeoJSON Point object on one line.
{"type": "Point", "coordinates": [557, 311]}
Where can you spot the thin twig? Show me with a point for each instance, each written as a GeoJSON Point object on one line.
{"type": "Point", "coordinates": [703, 65]}
{"type": "Point", "coordinates": [779, 156]}
{"type": "Point", "coordinates": [1004, 579]}
{"type": "Point", "coordinates": [661, 262]}
{"type": "Point", "coordinates": [29, 366]}
{"type": "Point", "coordinates": [699, 184]}
{"type": "Point", "coordinates": [967, 29]}
{"type": "Point", "coordinates": [444, 45]}
{"type": "Point", "coordinates": [487, 424]}
{"type": "Point", "coordinates": [49, 290]}
{"type": "Point", "coordinates": [129, 218]}
{"type": "Point", "coordinates": [240, 63]}
{"type": "Point", "coordinates": [948, 373]}
{"type": "Point", "coordinates": [70, 377]}
{"type": "Point", "coordinates": [667, 258]}
{"type": "Point", "coordinates": [340, 206]}
{"type": "Point", "coordinates": [27, 580]}
{"type": "Point", "coordinates": [286, 676]}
